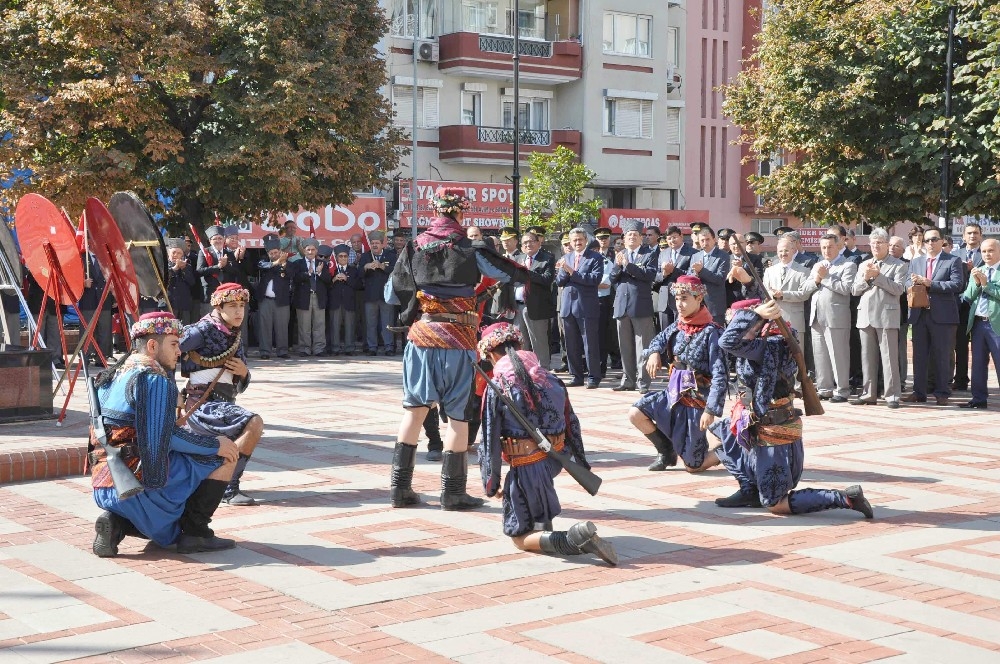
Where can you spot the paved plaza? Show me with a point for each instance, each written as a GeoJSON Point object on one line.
{"type": "Point", "coordinates": [326, 571]}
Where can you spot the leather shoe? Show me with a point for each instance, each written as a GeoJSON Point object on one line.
{"type": "Point", "coordinates": [892, 404]}
{"type": "Point", "coordinates": [862, 402]}
{"type": "Point", "coordinates": [941, 401]}
{"type": "Point", "coordinates": [858, 501]}
{"type": "Point", "coordinates": [739, 499]}
{"type": "Point", "coordinates": [593, 384]}
{"type": "Point", "coordinates": [109, 534]}
{"type": "Point", "coordinates": [663, 461]}
{"type": "Point", "coordinates": [913, 397]}
{"type": "Point", "coordinates": [981, 405]}
{"type": "Point", "coordinates": [576, 383]}
{"type": "Point", "coordinates": [643, 390]}
{"type": "Point", "coordinates": [191, 544]}
{"type": "Point", "coordinates": [434, 455]}
{"type": "Point", "coordinates": [623, 388]}
{"type": "Point", "coordinates": [825, 397]}
{"type": "Point", "coordinates": [961, 387]}
{"type": "Point", "coordinates": [838, 399]}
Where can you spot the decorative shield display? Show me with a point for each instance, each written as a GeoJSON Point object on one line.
{"type": "Point", "coordinates": [111, 253]}
{"type": "Point", "coordinates": [9, 248]}
{"type": "Point", "coordinates": [143, 240]}
{"type": "Point", "coordinates": [39, 222]}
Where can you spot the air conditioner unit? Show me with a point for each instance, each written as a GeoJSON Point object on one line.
{"type": "Point", "coordinates": [428, 52]}
{"type": "Point", "coordinates": [674, 79]}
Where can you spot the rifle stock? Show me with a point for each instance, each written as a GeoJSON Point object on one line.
{"type": "Point", "coordinates": [810, 397]}
{"type": "Point", "coordinates": [126, 484]}
{"type": "Point", "coordinates": [585, 478]}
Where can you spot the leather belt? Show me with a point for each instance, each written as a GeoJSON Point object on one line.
{"type": "Point", "coordinates": [128, 451]}
{"type": "Point", "coordinates": [779, 415]}
{"type": "Point", "coordinates": [983, 318]}
{"type": "Point", "coordinates": [518, 446]}
{"type": "Point", "coordinates": [221, 392]}
{"type": "Point", "coordinates": [466, 318]}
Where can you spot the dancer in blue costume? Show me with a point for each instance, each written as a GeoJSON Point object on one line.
{"type": "Point", "coordinates": [529, 494]}
{"type": "Point", "coordinates": [675, 419]}
{"type": "Point", "coordinates": [213, 352]}
{"type": "Point", "coordinates": [762, 437]}
{"type": "Point", "coordinates": [184, 474]}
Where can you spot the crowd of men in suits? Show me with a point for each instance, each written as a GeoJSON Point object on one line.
{"type": "Point", "coordinates": [854, 312]}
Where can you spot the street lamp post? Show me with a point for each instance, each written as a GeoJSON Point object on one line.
{"type": "Point", "coordinates": [516, 175]}
{"type": "Point", "coordinates": [414, 203]}
{"type": "Point", "coordinates": [946, 158]}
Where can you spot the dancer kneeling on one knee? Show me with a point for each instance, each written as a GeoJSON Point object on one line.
{"type": "Point", "coordinates": [529, 497]}
{"type": "Point", "coordinates": [762, 437]}
{"type": "Point", "coordinates": [675, 419]}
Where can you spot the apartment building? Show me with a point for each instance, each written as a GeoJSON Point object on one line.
{"type": "Point", "coordinates": [600, 80]}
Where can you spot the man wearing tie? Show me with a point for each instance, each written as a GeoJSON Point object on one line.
{"type": "Point", "coordinates": [578, 273]}
{"type": "Point", "coordinates": [983, 297]}
{"type": "Point", "coordinates": [934, 327]}
{"type": "Point", "coordinates": [879, 283]}
{"type": "Point", "coordinates": [632, 276]}
{"type": "Point", "coordinates": [788, 282]}
{"type": "Point", "coordinates": [711, 265]}
{"type": "Point", "coordinates": [971, 256]}
{"type": "Point", "coordinates": [212, 275]}
{"type": "Point", "coordinates": [311, 281]}
{"type": "Point", "coordinates": [675, 260]}
{"type": "Point", "coordinates": [375, 266]}
{"type": "Point", "coordinates": [830, 320]}
{"type": "Point", "coordinates": [536, 307]}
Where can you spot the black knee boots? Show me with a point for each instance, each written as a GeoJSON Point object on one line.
{"type": "Point", "coordinates": [666, 456]}
{"type": "Point", "coordinates": [579, 539]}
{"type": "Point", "coordinates": [196, 536]}
{"type": "Point", "coordinates": [233, 495]}
{"type": "Point", "coordinates": [401, 492]}
{"type": "Point", "coordinates": [432, 429]}
{"type": "Point", "coordinates": [454, 475]}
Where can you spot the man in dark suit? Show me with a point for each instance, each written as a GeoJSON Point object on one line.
{"type": "Point", "coordinates": [274, 293]}
{"type": "Point", "coordinates": [578, 273]}
{"type": "Point", "coordinates": [632, 276]}
{"type": "Point", "coordinates": [536, 305]}
{"type": "Point", "coordinates": [197, 293]}
{"type": "Point", "coordinates": [934, 327]}
{"type": "Point", "coordinates": [735, 290]}
{"type": "Point", "coordinates": [91, 297]}
{"type": "Point", "coordinates": [674, 260]}
{"type": "Point", "coordinates": [606, 298]}
{"type": "Point", "coordinates": [180, 281]}
{"type": "Point", "coordinates": [971, 256]}
{"type": "Point", "coordinates": [376, 265]}
{"type": "Point", "coordinates": [341, 305]}
{"type": "Point", "coordinates": [711, 265]}
{"type": "Point", "coordinates": [310, 281]}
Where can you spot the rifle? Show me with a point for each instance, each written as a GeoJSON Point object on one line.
{"type": "Point", "coordinates": [122, 476]}
{"type": "Point", "coordinates": [810, 397]}
{"type": "Point", "coordinates": [209, 260]}
{"type": "Point", "coordinates": [585, 478]}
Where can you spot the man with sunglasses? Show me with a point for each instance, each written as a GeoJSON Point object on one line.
{"type": "Point", "coordinates": [934, 327]}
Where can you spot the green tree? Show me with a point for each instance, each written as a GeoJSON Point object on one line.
{"type": "Point", "coordinates": [551, 197]}
{"type": "Point", "coordinates": [230, 106]}
{"type": "Point", "coordinates": [853, 93]}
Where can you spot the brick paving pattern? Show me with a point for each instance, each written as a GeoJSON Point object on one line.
{"type": "Point", "coordinates": [325, 571]}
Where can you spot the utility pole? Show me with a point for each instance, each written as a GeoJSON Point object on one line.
{"type": "Point", "coordinates": [414, 203]}
{"type": "Point", "coordinates": [943, 219]}
{"type": "Point", "coordinates": [516, 175]}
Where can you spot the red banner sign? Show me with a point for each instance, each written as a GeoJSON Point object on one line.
{"type": "Point", "coordinates": [333, 224]}
{"type": "Point", "coordinates": [663, 219]}
{"type": "Point", "coordinates": [492, 203]}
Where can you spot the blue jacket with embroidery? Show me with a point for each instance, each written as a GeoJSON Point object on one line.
{"type": "Point", "coordinates": [703, 355]}
{"type": "Point", "coordinates": [763, 364]}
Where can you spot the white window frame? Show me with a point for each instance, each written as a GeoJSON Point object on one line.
{"type": "Point", "coordinates": [636, 50]}
{"type": "Point", "coordinates": [402, 18]}
{"type": "Point", "coordinates": [533, 103]}
{"type": "Point", "coordinates": [615, 105]}
{"type": "Point", "coordinates": [428, 110]}
{"type": "Point", "coordinates": [476, 98]}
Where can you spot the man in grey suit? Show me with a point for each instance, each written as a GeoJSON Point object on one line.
{"type": "Point", "coordinates": [536, 305]}
{"type": "Point", "coordinates": [788, 282]}
{"type": "Point", "coordinates": [971, 256]}
{"type": "Point", "coordinates": [632, 277]}
{"type": "Point", "coordinates": [711, 265]}
{"type": "Point", "coordinates": [879, 283]}
{"type": "Point", "coordinates": [934, 327]}
{"type": "Point", "coordinates": [830, 320]}
{"type": "Point", "coordinates": [675, 260]}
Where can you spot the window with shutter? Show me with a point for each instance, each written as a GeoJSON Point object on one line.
{"type": "Point", "coordinates": [427, 106]}
{"type": "Point", "coordinates": [672, 126]}
{"type": "Point", "coordinates": [429, 115]}
{"type": "Point", "coordinates": [628, 118]}
{"type": "Point", "coordinates": [402, 105]}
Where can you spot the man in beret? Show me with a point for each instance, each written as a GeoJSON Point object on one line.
{"type": "Point", "coordinates": [274, 295]}
{"type": "Point", "coordinates": [310, 280]}
{"type": "Point", "coordinates": [184, 474]}
{"type": "Point", "coordinates": [632, 275]}
{"type": "Point", "coordinates": [344, 282]}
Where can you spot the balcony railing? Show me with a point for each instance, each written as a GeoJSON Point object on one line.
{"type": "Point", "coordinates": [495, 44]}
{"type": "Point", "coordinates": [506, 135]}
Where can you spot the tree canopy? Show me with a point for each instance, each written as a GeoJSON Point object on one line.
{"type": "Point", "coordinates": [551, 197]}
{"type": "Point", "coordinates": [230, 106]}
{"type": "Point", "coordinates": [853, 94]}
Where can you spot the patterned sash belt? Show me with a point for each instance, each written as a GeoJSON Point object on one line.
{"type": "Point", "coordinates": [522, 451]}
{"type": "Point", "coordinates": [124, 437]}
{"type": "Point", "coordinates": [780, 425]}
{"type": "Point", "coordinates": [446, 323]}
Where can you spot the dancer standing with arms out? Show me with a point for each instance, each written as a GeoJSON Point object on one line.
{"type": "Point", "coordinates": [675, 419]}
{"type": "Point", "coordinates": [183, 474]}
{"type": "Point", "coordinates": [762, 437]}
{"type": "Point", "coordinates": [529, 495]}
{"type": "Point", "coordinates": [434, 283]}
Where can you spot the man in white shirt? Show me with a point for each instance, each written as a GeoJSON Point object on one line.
{"type": "Point", "coordinates": [788, 282]}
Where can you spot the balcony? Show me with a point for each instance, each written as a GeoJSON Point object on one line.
{"type": "Point", "coordinates": [489, 56]}
{"type": "Point", "coordinates": [469, 144]}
